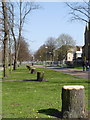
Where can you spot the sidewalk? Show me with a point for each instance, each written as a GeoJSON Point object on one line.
{"type": "Point", "coordinates": [71, 71]}
{"type": "Point", "coordinates": [75, 72]}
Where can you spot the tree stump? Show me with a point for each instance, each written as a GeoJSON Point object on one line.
{"type": "Point", "coordinates": [73, 104]}
{"type": "Point", "coordinates": [33, 70]}
{"type": "Point", "coordinates": [40, 75]}
{"type": "Point", "coordinates": [28, 67]}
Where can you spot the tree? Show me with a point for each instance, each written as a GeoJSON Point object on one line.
{"type": "Point", "coordinates": [51, 46]}
{"type": "Point", "coordinates": [40, 54]}
{"type": "Point", "coordinates": [46, 51]}
{"type": "Point", "coordinates": [24, 9]}
{"type": "Point", "coordinates": [64, 43]}
{"type": "Point", "coordinates": [24, 53]}
{"type": "Point", "coordinates": [8, 28]}
{"type": "Point", "coordinates": [6, 38]}
{"type": "Point", "coordinates": [80, 10]}
{"type": "Point", "coordinates": [65, 39]}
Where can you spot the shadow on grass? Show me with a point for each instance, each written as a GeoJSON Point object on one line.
{"type": "Point", "coordinates": [30, 80]}
{"type": "Point", "coordinates": [34, 80]}
{"type": "Point", "coordinates": [52, 112]}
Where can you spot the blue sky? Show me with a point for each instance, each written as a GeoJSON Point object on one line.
{"type": "Point", "coordinates": [51, 21]}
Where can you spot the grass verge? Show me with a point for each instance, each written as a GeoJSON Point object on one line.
{"type": "Point", "coordinates": [31, 99]}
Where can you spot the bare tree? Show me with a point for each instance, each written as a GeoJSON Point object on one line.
{"type": "Point", "coordinates": [65, 39]}
{"type": "Point", "coordinates": [24, 53]}
{"type": "Point", "coordinates": [51, 46]}
{"type": "Point", "coordinates": [40, 54]}
{"type": "Point", "coordinates": [6, 38]}
{"type": "Point", "coordinates": [46, 51]}
{"type": "Point", "coordinates": [24, 9]}
{"type": "Point", "coordinates": [80, 10]}
{"type": "Point", "coordinates": [64, 43]}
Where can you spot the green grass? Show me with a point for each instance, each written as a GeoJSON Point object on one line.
{"type": "Point", "coordinates": [0, 94]}
{"type": "Point", "coordinates": [30, 99]}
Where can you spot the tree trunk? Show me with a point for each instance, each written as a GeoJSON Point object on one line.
{"type": "Point", "coordinates": [5, 61]}
{"type": "Point", "coordinates": [10, 55]}
{"type": "Point", "coordinates": [40, 76]}
{"type": "Point", "coordinates": [14, 64]}
{"type": "Point", "coordinates": [5, 42]}
{"type": "Point", "coordinates": [73, 104]}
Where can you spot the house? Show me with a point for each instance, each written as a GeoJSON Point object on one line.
{"type": "Point", "coordinates": [78, 52]}
{"type": "Point", "coordinates": [74, 53]}
{"type": "Point", "coordinates": [70, 54]}
{"type": "Point", "coordinates": [74, 56]}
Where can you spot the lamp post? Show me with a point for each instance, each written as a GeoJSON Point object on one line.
{"type": "Point", "coordinates": [46, 56]}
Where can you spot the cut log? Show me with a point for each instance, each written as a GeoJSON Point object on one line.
{"type": "Point", "coordinates": [33, 70]}
{"type": "Point", "coordinates": [40, 76]}
{"type": "Point", "coordinates": [73, 103]}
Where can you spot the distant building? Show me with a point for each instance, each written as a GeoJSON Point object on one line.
{"type": "Point", "coordinates": [78, 52]}
{"type": "Point", "coordinates": [74, 56]}
{"type": "Point", "coordinates": [70, 54]}
{"type": "Point", "coordinates": [86, 47]}
{"type": "Point", "coordinates": [74, 53]}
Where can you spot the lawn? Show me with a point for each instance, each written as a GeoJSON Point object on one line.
{"type": "Point", "coordinates": [0, 94]}
{"type": "Point", "coordinates": [31, 99]}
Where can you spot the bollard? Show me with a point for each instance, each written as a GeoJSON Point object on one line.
{"type": "Point", "coordinates": [73, 103]}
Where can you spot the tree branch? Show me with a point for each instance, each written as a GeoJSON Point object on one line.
{"type": "Point", "coordinates": [79, 12]}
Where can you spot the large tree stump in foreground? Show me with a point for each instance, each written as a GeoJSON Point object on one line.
{"type": "Point", "coordinates": [73, 104]}
{"type": "Point", "coordinates": [40, 76]}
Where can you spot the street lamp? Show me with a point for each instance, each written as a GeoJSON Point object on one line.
{"type": "Point", "coordinates": [46, 56]}
{"type": "Point", "coordinates": [40, 58]}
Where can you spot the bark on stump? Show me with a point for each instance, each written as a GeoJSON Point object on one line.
{"type": "Point", "coordinates": [40, 76]}
{"type": "Point", "coordinates": [73, 104]}
{"type": "Point", "coordinates": [33, 70]}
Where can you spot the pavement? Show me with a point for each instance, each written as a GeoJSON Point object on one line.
{"type": "Point", "coordinates": [71, 71]}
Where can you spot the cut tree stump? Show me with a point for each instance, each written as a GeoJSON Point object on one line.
{"type": "Point", "coordinates": [28, 67]}
{"type": "Point", "coordinates": [33, 70]}
{"type": "Point", "coordinates": [40, 76]}
{"type": "Point", "coordinates": [73, 103]}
